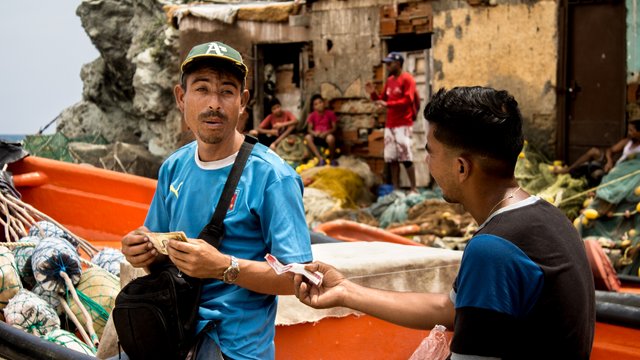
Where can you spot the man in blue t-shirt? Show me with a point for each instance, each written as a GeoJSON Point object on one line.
{"type": "Point", "coordinates": [524, 289]}
{"type": "Point", "coordinates": [266, 214]}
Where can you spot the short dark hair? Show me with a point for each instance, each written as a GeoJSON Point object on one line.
{"type": "Point", "coordinates": [314, 97]}
{"type": "Point", "coordinates": [479, 121]}
{"type": "Point", "coordinates": [215, 64]}
{"type": "Point", "coordinates": [273, 102]}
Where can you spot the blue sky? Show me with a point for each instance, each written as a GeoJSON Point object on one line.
{"type": "Point", "coordinates": [43, 49]}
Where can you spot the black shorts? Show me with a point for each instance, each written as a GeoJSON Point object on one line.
{"type": "Point", "coordinates": [320, 142]}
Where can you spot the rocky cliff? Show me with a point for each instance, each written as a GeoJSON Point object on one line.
{"type": "Point", "coordinates": [128, 90]}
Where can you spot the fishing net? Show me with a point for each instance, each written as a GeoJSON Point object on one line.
{"type": "Point", "coordinates": [342, 184]}
{"type": "Point", "coordinates": [51, 257]}
{"type": "Point", "coordinates": [292, 149]}
{"type": "Point", "coordinates": [97, 291]}
{"type": "Point", "coordinates": [22, 255]}
{"type": "Point", "coordinates": [534, 174]}
{"type": "Point", "coordinates": [393, 208]}
{"type": "Point", "coordinates": [616, 216]}
{"type": "Point", "coordinates": [51, 297]}
{"type": "Point", "coordinates": [10, 284]}
{"type": "Point", "coordinates": [316, 203]}
{"type": "Point", "coordinates": [43, 229]}
{"type": "Point", "coordinates": [30, 313]}
{"type": "Point", "coordinates": [48, 146]}
{"type": "Point", "coordinates": [56, 146]}
{"type": "Point", "coordinates": [68, 340]}
{"type": "Point", "coordinates": [362, 216]}
{"type": "Point", "coordinates": [109, 259]}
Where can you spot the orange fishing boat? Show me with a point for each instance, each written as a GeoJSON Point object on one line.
{"type": "Point", "coordinates": [101, 206]}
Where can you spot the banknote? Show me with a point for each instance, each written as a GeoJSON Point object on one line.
{"type": "Point", "coordinates": [279, 268]}
{"type": "Point", "coordinates": [160, 240]}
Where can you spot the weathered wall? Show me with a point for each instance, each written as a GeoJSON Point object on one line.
{"type": "Point", "coordinates": [346, 46]}
{"type": "Point", "coordinates": [512, 46]}
{"type": "Point", "coordinates": [633, 41]}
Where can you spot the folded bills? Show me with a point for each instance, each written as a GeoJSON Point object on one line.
{"type": "Point", "coordinates": [160, 240]}
{"type": "Point", "coordinates": [279, 268]}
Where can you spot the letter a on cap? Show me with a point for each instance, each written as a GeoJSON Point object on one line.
{"type": "Point", "coordinates": [214, 47]}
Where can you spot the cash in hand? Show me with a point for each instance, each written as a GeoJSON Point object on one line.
{"type": "Point", "coordinates": [160, 240]}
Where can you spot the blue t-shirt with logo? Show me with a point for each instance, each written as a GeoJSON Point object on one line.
{"type": "Point", "coordinates": [266, 215]}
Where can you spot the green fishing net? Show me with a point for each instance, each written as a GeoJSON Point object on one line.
{"type": "Point", "coordinates": [68, 340]}
{"type": "Point", "coordinates": [29, 312]}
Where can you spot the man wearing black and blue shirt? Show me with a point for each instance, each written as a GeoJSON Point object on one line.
{"type": "Point", "coordinates": [525, 289]}
{"type": "Point", "coordinates": [266, 213]}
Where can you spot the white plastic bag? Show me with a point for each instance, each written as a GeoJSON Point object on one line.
{"type": "Point", "coordinates": [434, 346]}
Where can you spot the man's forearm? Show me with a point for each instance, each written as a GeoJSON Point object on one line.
{"type": "Point", "coordinates": [414, 310]}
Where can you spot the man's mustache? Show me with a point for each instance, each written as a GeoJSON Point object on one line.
{"type": "Point", "coordinates": [212, 113]}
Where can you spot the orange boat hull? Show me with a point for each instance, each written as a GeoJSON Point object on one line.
{"type": "Point", "coordinates": [102, 206]}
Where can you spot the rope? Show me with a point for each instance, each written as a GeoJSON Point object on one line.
{"type": "Point", "coordinates": [600, 186]}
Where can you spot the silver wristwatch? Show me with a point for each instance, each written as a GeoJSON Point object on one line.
{"type": "Point", "coordinates": [231, 274]}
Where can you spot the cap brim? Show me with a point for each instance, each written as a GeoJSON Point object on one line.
{"type": "Point", "coordinates": [199, 58]}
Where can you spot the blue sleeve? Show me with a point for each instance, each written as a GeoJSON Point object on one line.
{"type": "Point", "coordinates": [157, 217]}
{"type": "Point", "coordinates": [496, 275]}
{"type": "Point", "coordinates": [283, 221]}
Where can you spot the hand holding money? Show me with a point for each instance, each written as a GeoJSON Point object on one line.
{"type": "Point", "coordinates": [160, 240]}
{"type": "Point", "coordinates": [279, 268]}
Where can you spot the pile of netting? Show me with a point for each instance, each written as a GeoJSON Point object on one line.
{"type": "Point", "coordinates": [425, 218]}
{"type": "Point", "coordinates": [56, 146]}
{"type": "Point", "coordinates": [47, 288]}
{"type": "Point", "coordinates": [95, 150]}
{"type": "Point", "coordinates": [331, 190]}
{"type": "Point", "coordinates": [612, 216]}
{"type": "Point", "coordinates": [534, 173]}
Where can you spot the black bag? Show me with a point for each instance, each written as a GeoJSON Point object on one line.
{"type": "Point", "coordinates": [156, 315]}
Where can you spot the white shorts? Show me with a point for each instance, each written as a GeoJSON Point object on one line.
{"type": "Point", "coordinates": [397, 143]}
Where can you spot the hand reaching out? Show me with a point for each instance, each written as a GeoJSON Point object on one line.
{"type": "Point", "coordinates": [331, 291]}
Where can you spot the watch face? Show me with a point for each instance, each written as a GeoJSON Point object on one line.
{"type": "Point", "coordinates": [231, 274]}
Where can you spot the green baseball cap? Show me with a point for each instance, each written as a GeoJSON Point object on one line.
{"type": "Point", "coordinates": [215, 50]}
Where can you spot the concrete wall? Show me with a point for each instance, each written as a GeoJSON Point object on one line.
{"type": "Point", "coordinates": [511, 46]}
{"type": "Point", "coordinates": [350, 30]}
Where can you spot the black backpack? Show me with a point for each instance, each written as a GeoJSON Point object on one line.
{"type": "Point", "coordinates": [156, 315]}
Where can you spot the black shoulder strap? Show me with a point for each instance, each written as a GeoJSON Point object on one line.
{"type": "Point", "coordinates": [213, 231]}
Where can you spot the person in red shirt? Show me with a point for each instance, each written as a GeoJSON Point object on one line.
{"type": "Point", "coordinates": [276, 126]}
{"type": "Point", "coordinates": [321, 124]}
{"type": "Point", "coordinates": [398, 98]}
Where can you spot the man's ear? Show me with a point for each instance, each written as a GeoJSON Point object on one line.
{"type": "Point", "coordinates": [244, 100]}
{"type": "Point", "coordinates": [464, 168]}
{"type": "Point", "coordinates": [178, 92]}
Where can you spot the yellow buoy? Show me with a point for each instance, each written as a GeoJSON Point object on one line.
{"type": "Point", "coordinates": [632, 232]}
{"type": "Point", "coordinates": [591, 214]}
{"type": "Point", "coordinates": [521, 155]}
{"type": "Point", "coordinates": [587, 202]}
{"type": "Point", "coordinates": [576, 222]}
{"type": "Point", "coordinates": [637, 191]}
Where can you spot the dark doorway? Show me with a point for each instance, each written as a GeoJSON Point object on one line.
{"type": "Point", "coordinates": [591, 81]}
{"type": "Point", "coordinates": [279, 72]}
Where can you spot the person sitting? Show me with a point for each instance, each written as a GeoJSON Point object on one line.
{"type": "Point", "coordinates": [321, 124]}
{"type": "Point", "coordinates": [597, 162]}
{"type": "Point", "coordinates": [276, 126]}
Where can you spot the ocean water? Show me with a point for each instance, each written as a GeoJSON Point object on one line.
{"type": "Point", "coordinates": [11, 138]}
